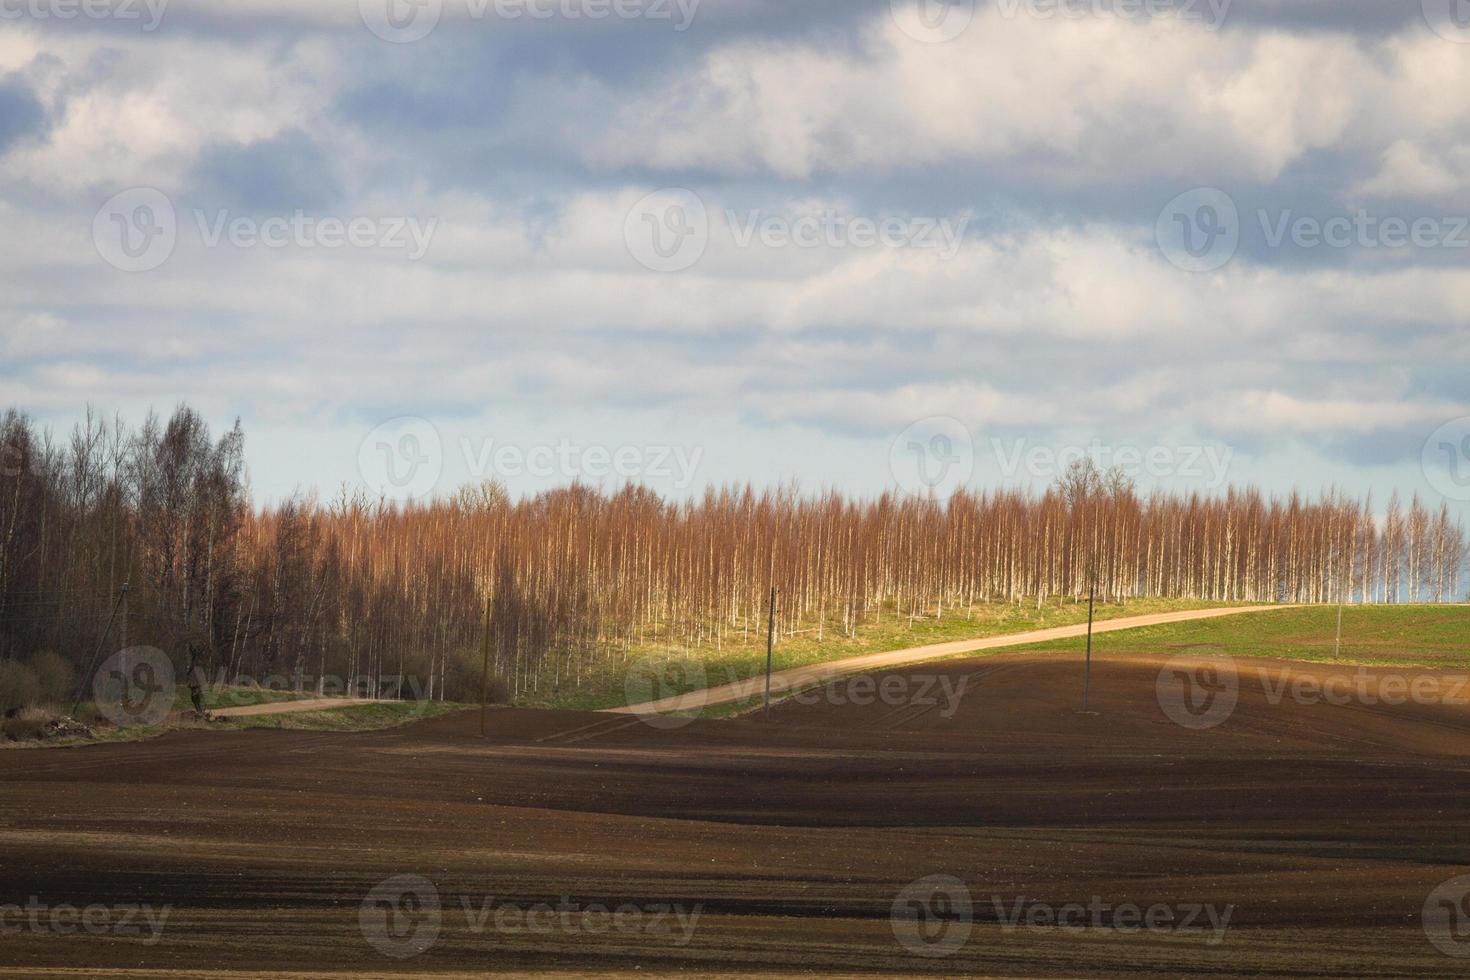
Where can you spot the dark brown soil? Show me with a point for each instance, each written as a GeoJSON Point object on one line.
{"type": "Point", "coordinates": [1326, 826]}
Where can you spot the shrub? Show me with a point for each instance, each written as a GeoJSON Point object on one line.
{"type": "Point", "coordinates": [498, 691]}
{"type": "Point", "coordinates": [462, 682]}
{"type": "Point", "coordinates": [28, 724]}
{"type": "Point", "coordinates": [56, 677]}
{"type": "Point", "coordinates": [19, 686]}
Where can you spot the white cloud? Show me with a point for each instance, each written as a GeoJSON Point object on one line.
{"type": "Point", "coordinates": [1278, 412]}
{"type": "Point", "coordinates": [1085, 101]}
{"type": "Point", "coordinates": [1055, 320]}
{"type": "Point", "coordinates": [135, 110]}
{"type": "Point", "coordinates": [1409, 169]}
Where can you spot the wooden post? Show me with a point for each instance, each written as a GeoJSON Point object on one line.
{"type": "Point", "coordinates": [484, 666]}
{"type": "Point", "coordinates": [770, 645]}
{"type": "Point", "coordinates": [1341, 599]}
{"type": "Point", "coordinates": [1091, 595]}
{"type": "Point", "coordinates": [1337, 647]}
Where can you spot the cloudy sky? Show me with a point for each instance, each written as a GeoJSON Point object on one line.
{"type": "Point", "coordinates": [696, 241]}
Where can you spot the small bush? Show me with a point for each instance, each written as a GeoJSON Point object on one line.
{"type": "Point", "coordinates": [19, 686]}
{"type": "Point", "coordinates": [28, 724]}
{"type": "Point", "coordinates": [462, 682]}
{"type": "Point", "coordinates": [497, 690]}
{"type": "Point", "coordinates": [56, 677]}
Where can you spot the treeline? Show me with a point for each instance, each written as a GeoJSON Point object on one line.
{"type": "Point", "coordinates": [578, 579]}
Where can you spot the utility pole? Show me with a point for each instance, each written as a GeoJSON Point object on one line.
{"type": "Point", "coordinates": [484, 666]}
{"type": "Point", "coordinates": [1341, 598]}
{"type": "Point", "coordinates": [770, 646]}
{"type": "Point", "coordinates": [1091, 595]}
{"type": "Point", "coordinates": [82, 681]}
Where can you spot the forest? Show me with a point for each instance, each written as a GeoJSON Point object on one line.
{"type": "Point", "coordinates": [579, 579]}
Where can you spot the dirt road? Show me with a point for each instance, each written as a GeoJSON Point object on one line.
{"type": "Point", "coordinates": [289, 707]}
{"type": "Point", "coordinates": [800, 677]}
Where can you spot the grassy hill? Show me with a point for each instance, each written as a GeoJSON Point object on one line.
{"type": "Point", "coordinates": [1422, 635]}
{"type": "Point", "coordinates": [896, 631]}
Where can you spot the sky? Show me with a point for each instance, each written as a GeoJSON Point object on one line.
{"type": "Point", "coordinates": [857, 245]}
